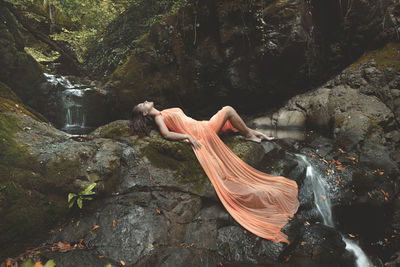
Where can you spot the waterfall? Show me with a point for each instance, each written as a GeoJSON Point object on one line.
{"type": "Point", "coordinates": [72, 109]}
{"type": "Point", "coordinates": [323, 205]}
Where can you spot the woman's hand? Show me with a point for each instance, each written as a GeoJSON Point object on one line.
{"type": "Point", "coordinates": [194, 142]}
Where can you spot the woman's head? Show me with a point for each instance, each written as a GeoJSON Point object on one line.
{"type": "Point", "coordinates": [140, 120]}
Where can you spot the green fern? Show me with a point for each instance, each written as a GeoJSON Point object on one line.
{"type": "Point", "coordinates": [84, 194]}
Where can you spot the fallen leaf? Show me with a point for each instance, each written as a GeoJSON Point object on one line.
{"type": "Point", "coordinates": [323, 197]}
{"type": "Point", "coordinates": [38, 264]}
{"type": "Point", "coordinates": [122, 262]}
{"type": "Point", "coordinates": [158, 211]}
{"type": "Point", "coordinates": [245, 232]}
{"type": "Point", "coordinates": [101, 256]}
{"type": "Point", "coordinates": [8, 263]}
{"type": "Point", "coordinates": [341, 150]}
{"type": "Point", "coordinates": [114, 223]}
{"type": "Point", "coordinates": [303, 243]}
{"type": "Point", "coordinates": [34, 138]}
{"type": "Point", "coordinates": [95, 227]}
{"type": "Point", "coordinates": [339, 168]}
{"type": "Point", "coordinates": [63, 246]}
{"type": "Point", "coordinates": [220, 263]}
{"type": "Point", "coordinates": [380, 173]}
{"type": "Point", "coordinates": [288, 258]}
{"type": "Point", "coordinates": [351, 235]}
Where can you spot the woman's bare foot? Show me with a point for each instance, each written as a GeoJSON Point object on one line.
{"type": "Point", "coordinates": [261, 135]}
{"type": "Point", "coordinates": [253, 138]}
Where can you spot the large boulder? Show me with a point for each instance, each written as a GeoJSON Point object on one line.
{"type": "Point", "coordinates": [19, 70]}
{"type": "Point", "coordinates": [224, 52]}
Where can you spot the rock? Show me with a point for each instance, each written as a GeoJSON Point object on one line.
{"type": "Point", "coordinates": [394, 260]}
{"type": "Point", "coordinates": [231, 62]}
{"type": "Point", "coordinates": [324, 245]}
{"type": "Point", "coordinates": [19, 70]}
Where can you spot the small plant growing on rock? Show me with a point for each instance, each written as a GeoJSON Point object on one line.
{"type": "Point", "coordinates": [84, 194]}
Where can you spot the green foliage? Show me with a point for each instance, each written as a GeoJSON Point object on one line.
{"type": "Point", "coordinates": [29, 263]}
{"type": "Point", "coordinates": [82, 23]}
{"type": "Point", "coordinates": [84, 194]}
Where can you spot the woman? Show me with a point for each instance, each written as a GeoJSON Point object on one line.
{"type": "Point", "coordinates": [260, 202]}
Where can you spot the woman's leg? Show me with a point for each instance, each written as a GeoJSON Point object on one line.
{"type": "Point", "coordinates": [238, 123]}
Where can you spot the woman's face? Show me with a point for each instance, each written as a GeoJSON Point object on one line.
{"type": "Point", "coordinates": [145, 107]}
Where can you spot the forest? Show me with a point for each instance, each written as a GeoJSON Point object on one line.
{"type": "Point", "coordinates": [311, 179]}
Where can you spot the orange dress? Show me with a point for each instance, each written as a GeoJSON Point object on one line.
{"type": "Point", "coordinates": [260, 202]}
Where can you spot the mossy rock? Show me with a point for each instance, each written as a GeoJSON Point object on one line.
{"type": "Point", "coordinates": [6, 92]}
{"type": "Point", "coordinates": [179, 157]}
{"type": "Point", "coordinates": [386, 57]}
{"type": "Point", "coordinates": [114, 130]}
{"type": "Point", "coordinates": [28, 206]}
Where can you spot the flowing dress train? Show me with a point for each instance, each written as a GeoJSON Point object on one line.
{"type": "Point", "coordinates": [260, 202]}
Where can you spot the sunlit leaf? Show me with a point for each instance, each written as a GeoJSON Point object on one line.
{"type": "Point", "coordinates": [79, 202]}
{"type": "Point", "coordinates": [122, 262]}
{"type": "Point", "coordinates": [26, 263]}
{"type": "Point", "coordinates": [71, 196]}
{"type": "Point", "coordinates": [50, 263]}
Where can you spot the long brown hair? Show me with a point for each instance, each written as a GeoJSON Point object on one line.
{"type": "Point", "coordinates": [139, 124]}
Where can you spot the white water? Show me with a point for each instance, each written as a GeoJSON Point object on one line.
{"type": "Point", "coordinates": [72, 99]}
{"type": "Point", "coordinates": [323, 204]}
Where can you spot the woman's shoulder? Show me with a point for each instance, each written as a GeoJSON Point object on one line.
{"type": "Point", "coordinates": [171, 110]}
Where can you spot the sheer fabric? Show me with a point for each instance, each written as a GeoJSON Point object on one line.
{"type": "Point", "coordinates": [260, 202]}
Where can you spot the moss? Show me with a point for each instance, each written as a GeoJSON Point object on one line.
{"type": "Point", "coordinates": [115, 132]}
{"type": "Point", "coordinates": [242, 149]}
{"type": "Point", "coordinates": [27, 208]}
{"type": "Point", "coordinates": [388, 56]}
{"type": "Point", "coordinates": [177, 156]}
{"type": "Point", "coordinates": [8, 105]}
{"type": "Point", "coordinates": [338, 122]}
{"type": "Point", "coordinates": [6, 92]}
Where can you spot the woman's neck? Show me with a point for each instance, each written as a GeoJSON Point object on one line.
{"type": "Point", "coordinates": [154, 111]}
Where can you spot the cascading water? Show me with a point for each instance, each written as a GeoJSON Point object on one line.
{"type": "Point", "coordinates": [323, 205]}
{"type": "Point", "coordinates": [75, 117]}
{"type": "Point", "coordinates": [71, 99]}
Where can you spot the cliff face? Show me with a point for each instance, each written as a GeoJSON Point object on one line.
{"type": "Point", "coordinates": [249, 54]}
{"type": "Point", "coordinates": [18, 69]}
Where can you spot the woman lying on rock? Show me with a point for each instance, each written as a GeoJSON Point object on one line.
{"type": "Point", "coordinates": [260, 202]}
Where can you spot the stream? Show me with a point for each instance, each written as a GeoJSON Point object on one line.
{"type": "Point", "coordinates": [81, 106]}
{"type": "Point", "coordinates": [323, 205]}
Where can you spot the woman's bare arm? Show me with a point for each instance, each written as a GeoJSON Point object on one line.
{"type": "Point", "coordinates": [173, 135]}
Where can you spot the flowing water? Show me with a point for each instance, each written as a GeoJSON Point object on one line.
{"type": "Point", "coordinates": [323, 205]}
{"type": "Point", "coordinates": [71, 96]}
